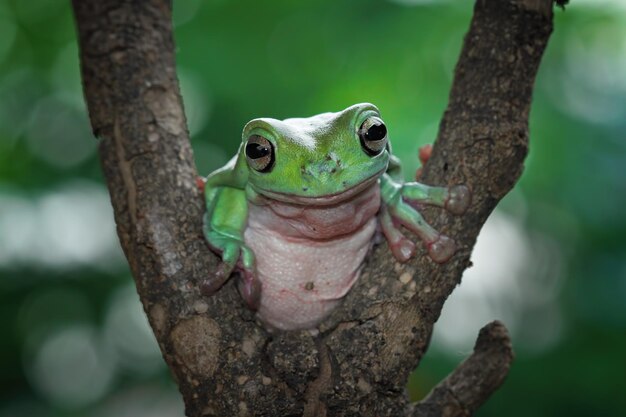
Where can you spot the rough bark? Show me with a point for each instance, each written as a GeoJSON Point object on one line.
{"type": "Point", "coordinates": [225, 363]}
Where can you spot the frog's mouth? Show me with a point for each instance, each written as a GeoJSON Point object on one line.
{"type": "Point", "coordinates": [324, 200]}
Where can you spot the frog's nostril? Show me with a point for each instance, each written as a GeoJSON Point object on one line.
{"type": "Point", "coordinates": [327, 166]}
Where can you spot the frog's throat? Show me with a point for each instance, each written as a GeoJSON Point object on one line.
{"type": "Point", "coordinates": [325, 200]}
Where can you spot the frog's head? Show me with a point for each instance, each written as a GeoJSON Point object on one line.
{"type": "Point", "coordinates": [322, 159]}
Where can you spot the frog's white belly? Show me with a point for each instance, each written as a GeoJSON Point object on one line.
{"type": "Point", "coordinates": [304, 278]}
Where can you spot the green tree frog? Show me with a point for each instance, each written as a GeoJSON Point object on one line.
{"type": "Point", "coordinates": [296, 211]}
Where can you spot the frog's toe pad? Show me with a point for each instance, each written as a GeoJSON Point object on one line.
{"type": "Point", "coordinates": [200, 182]}
{"type": "Point", "coordinates": [209, 287]}
{"type": "Point", "coordinates": [459, 199]}
{"type": "Point", "coordinates": [442, 249]}
{"type": "Point", "coordinates": [250, 289]}
{"type": "Point", "coordinates": [403, 249]}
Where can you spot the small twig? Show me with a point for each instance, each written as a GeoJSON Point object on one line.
{"type": "Point", "coordinates": [472, 382]}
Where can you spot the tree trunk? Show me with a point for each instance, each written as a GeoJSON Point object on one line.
{"type": "Point", "coordinates": [358, 365]}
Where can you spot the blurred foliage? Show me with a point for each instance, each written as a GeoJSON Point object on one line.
{"type": "Point", "coordinates": [74, 340]}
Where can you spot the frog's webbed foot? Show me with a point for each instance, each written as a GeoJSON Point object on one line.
{"type": "Point", "coordinates": [401, 210]}
{"type": "Point", "coordinates": [458, 199]}
{"type": "Point", "coordinates": [235, 254]}
{"type": "Point", "coordinates": [440, 247]}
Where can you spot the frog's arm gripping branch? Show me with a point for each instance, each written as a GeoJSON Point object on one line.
{"type": "Point", "coordinates": [223, 226]}
{"type": "Point", "coordinates": [224, 363]}
{"type": "Point", "coordinates": [398, 209]}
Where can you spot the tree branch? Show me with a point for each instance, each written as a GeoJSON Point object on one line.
{"type": "Point", "coordinates": [471, 384]}
{"type": "Point", "coordinates": [224, 362]}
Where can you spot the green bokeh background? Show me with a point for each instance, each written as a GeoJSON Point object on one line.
{"type": "Point", "coordinates": [551, 262]}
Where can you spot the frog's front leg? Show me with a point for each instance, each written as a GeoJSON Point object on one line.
{"type": "Point", "coordinates": [455, 199]}
{"type": "Point", "coordinates": [224, 224]}
{"type": "Point", "coordinates": [398, 199]}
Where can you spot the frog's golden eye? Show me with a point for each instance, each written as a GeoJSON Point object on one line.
{"type": "Point", "coordinates": [260, 153]}
{"type": "Point", "coordinates": [373, 135]}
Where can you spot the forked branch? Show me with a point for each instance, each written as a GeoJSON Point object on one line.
{"type": "Point", "coordinates": [224, 362]}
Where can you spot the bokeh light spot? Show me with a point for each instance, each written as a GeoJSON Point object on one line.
{"type": "Point", "coordinates": [65, 78]}
{"type": "Point", "coordinates": [19, 91]}
{"type": "Point", "coordinates": [127, 330]}
{"type": "Point", "coordinates": [71, 369]}
{"type": "Point", "coordinates": [195, 99]}
{"type": "Point", "coordinates": [67, 227]}
{"type": "Point", "coordinates": [143, 401]}
{"type": "Point", "coordinates": [60, 134]}
{"type": "Point", "coordinates": [513, 274]}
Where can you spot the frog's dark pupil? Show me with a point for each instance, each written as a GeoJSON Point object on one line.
{"type": "Point", "coordinates": [256, 150]}
{"type": "Point", "coordinates": [376, 132]}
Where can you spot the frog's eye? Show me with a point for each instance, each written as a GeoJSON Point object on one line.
{"type": "Point", "coordinates": [260, 153]}
{"type": "Point", "coordinates": [373, 135]}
